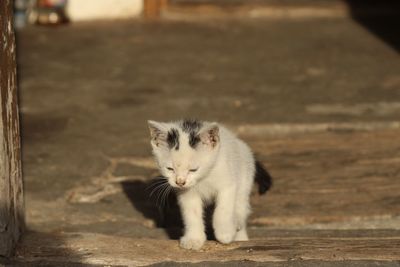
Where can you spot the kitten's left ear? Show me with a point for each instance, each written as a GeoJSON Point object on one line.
{"type": "Point", "coordinates": [157, 132]}
{"type": "Point", "coordinates": [210, 134]}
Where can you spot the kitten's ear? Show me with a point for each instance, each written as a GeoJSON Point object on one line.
{"type": "Point", "coordinates": [158, 132]}
{"type": "Point", "coordinates": [209, 135]}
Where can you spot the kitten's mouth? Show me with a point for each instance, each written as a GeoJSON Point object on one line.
{"type": "Point", "coordinates": [176, 186]}
{"type": "Point", "coordinates": [181, 187]}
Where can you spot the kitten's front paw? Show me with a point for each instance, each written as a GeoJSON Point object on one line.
{"type": "Point", "coordinates": [190, 242]}
{"type": "Point", "coordinates": [226, 235]}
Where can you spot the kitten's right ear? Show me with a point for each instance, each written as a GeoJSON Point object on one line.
{"type": "Point", "coordinates": [209, 135]}
{"type": "Point", "coordinates": [158, 133]}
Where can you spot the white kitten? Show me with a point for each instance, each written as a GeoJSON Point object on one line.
{"type": "Point", "coordinates": [206, 162]}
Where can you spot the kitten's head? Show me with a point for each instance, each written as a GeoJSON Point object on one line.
{"type": "Point", "coordinates": [185, 151]}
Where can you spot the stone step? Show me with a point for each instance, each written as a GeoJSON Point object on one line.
{"type": "Point", "coordinates": [301, 247]}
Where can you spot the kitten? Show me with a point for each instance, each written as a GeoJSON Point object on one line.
{"type": "Point", "coordinates": [206, 162]}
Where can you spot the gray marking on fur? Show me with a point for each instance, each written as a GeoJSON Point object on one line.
{"type": "Point", "coordinates": [192, 128]}
{"type": "Point", "coordinates": [173, 139]}
{"type": "Point", "coordinates": [191, 125]}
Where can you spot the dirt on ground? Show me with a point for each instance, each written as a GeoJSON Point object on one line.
{"type": "Point", "coordinates": [318, 100]}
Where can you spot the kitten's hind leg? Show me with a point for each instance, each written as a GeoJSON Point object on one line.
{"type": "Point", "coordinates": [242, 212]}
{"type": "Point", "coordinates": [241, 235]}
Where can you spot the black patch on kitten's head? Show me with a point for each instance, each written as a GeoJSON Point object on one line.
{"type": "Point", "coordinates": [173, 139]}
{"type": "Point", "coordinates": [191, 125]}
{"type": "Point", "coordinates": [194, 139]}
{"type": "Point", "coordinates": [192, 128]}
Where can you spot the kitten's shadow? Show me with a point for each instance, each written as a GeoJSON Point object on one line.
{"type": "Point", "coordinates": [167, 216]}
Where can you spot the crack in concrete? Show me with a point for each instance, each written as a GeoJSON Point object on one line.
{"type": "Point", "coordinates": [107, 183]}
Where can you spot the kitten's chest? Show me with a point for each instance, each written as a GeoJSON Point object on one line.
{"type": "Point", "coordinates": [215, 182]}
{"type": "Point", "coordinates": [207, 190]}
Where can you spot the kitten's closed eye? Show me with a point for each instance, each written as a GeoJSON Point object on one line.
{"type": "Point", "coordinates": [193, 170]}
{"type": "Point", "coordinates": [170, 169]}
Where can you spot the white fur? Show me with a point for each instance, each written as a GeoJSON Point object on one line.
{"type": "Point", "coordinates": [225, 175]}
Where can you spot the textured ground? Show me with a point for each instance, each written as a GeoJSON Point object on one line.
{"type": "Point", "coordinates": [317, 99]}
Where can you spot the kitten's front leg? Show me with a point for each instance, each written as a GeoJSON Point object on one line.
{"type": "Point", "coordinates": [224, 219]}
{"type": "Point", "coordinates": [191, 206]}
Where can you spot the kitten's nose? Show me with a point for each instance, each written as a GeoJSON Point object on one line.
{"type": "Point", "coordinates": [180, 182]}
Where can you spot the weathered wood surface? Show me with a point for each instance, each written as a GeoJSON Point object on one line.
{"type": "Point", "coordinates": [11, 188]}
{"type": "Point", "coordinates": [342, 180]}
{"type": "Point", "coordinates": [346, 178]}
{"type": "Point", "coordinates": [322, 180]}
{"type": "Point", "coordinates": [300, 246]}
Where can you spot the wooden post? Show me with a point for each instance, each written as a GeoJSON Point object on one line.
{"type": "Point", "coordinates": [11, 186]}
{"type": "Point", "coordinates": [152, 8]}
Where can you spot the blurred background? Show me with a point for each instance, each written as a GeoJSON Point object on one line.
{"type": "Point", "coordinates": [312, 85]}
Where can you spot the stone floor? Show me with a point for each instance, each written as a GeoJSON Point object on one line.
{"type": "Point", "coordinates": [317, 99]}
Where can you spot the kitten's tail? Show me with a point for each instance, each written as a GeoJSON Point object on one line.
{"type": "Point", "coordinates": [263, 178]}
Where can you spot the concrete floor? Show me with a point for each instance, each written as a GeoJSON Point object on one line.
{"type": "Point", "coordinates": [87, 90]}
